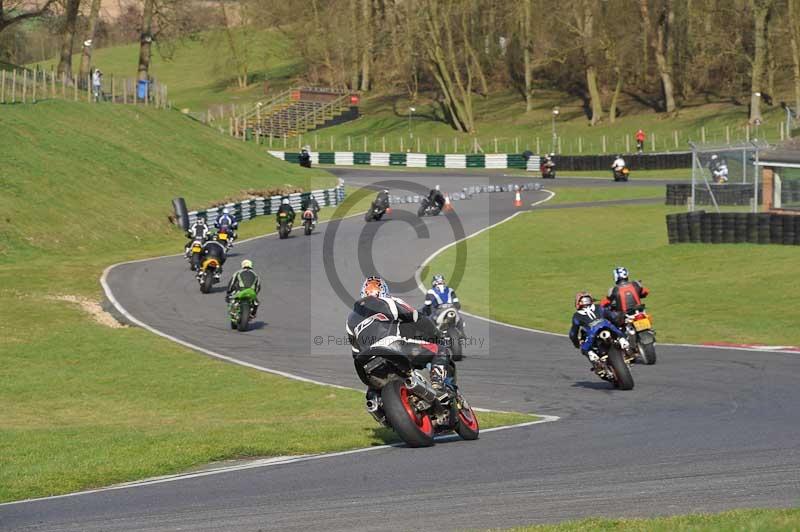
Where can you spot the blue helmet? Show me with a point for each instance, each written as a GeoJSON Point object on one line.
{"type": "Point", "coordinates": [620, 274]}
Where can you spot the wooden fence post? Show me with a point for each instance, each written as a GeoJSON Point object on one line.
{"type": "Point", "coordinates": [401, 144]}
{"type": "Point", "coordinates": [703, 134]}
{"type": "Point", "coordinates": [580, 144]}
{"type": "Point", "coordinates": [383, 144]}
{"type": "Point", "coordinates": [627, 144]}
{"type": "Point", "coordinates": [437, 144]}
{"type": "Point", "coordinates": [89, 88]}
{"type": "Point", "coordinates": [675, 135]}
{"type": "Point", "coordinates": [348, 144]}
{"type": "Point", "coordinates": [74, 89]}
{"type": "Point", "coordinates": [36, 79]}
{"type": "Point", "coordinates": [418, 146]}
{"type": "Point", "coordinates": [24, 84]}
{"type": "Point", "coordinates": [455, 144]}
{"type": "Point", "coordinates": [516, 144]}
{"type": "Point", "coordinates": [331, 142]}
{"type": "Point", "coordinates": [14, 87]}
{"type": "Point", "coordinates": [653, 142]}
{"type": "Point", "coordinates": [2, 86]}
{"type": "Point", "coordinates": [52, 83]}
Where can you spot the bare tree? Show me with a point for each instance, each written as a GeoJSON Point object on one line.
{"type": "Point", "coordinates": [761, 10]}
{"type": "Point", "coordinates": [88, 43]}
{"type": "Point", "coordinates": [366, 52]}
{"type": "Point", "coordinates": [14, 11]}
{"type": "Point", "coordinates": [236, 36]}
{"type": "Point", "coordinates": [794, 36]}
{"type": "Point", "coordinates": [584, 28]}
{"type": "Point", "coordinates": [67, 38]}
{"type": "Point", "coordinates": [662, 43]}
{"type": "Point", "coordinates": [146, 40]}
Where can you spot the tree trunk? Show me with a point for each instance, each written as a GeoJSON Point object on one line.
{"type": "Point", "coordinates": [612, 111]}
{"type": "Point", "coordinates": [794, 22]}
{"type": "Point", "coordinates": [526, 54]}
{"type": "Point", "coordinates": [585, 23]}
{"type": "Point", "coordinates": [760, 13]}
{"type": "Point", "coordinates": [366, 58]}
{"type": "Point", "coordinates": [70, 18]}
{"type": "Point", "coordinates": [146, 40]}
{"type": "Point", "coordinates": [86, 56]}
{"type": "Point", "coordinates": [645, 13]}
{"type": "Point", "coordinates": [664, 50]}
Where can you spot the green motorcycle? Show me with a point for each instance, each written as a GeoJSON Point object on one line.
{"type": "Point", "coordinates": [242, 308]}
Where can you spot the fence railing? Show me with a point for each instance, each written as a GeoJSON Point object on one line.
{"type": "Point", "coordinates": [22, 86]}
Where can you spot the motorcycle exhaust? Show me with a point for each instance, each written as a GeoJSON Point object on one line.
{"type": "Point", "coordinates": [372, 406]}
{"type": "Point", "coordinates": [419, 387]}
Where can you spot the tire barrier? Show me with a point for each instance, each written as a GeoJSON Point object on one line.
{"type": "Point", "coordinates": [470, 192]}
{"type": "Point", "coordinates": [249, 209]}
{"type": "Point", "coordinates": [733, 228]}
{"type": "Point", "coordinates": [729, 194]}
{"type": "Point", "coordinates": [635, 161]}
{"type": "Point", "coordinates": [418, 160]}
{"type": "Point", "coordinates": [181, 215]}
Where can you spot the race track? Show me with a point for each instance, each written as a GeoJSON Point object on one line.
{"type": "Point", "coordinates": [703, 430]}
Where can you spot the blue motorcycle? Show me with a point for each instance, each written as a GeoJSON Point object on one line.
{"type": "Point", "coordinates": [605, 339]}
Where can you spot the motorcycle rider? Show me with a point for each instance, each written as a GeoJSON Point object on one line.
{"type": "Point", "coordinates": [441, 294]}
{"type": "Point", "coordinates": [287, 208]}
{"type": "Point", "coordinates": [435, 197]}
{"type": "Point", "coordinates": [214, 249]}
{"type": "Point", "coordinates": [618, 165]}
{"type": "Point", "coordinates": [198, 231]}
{"type": "Point", "coordinates": [382, 200]}
{"type": "Point", "coordinates": [305, 157]}
{"type": "Point", "coordinates": [625, 296]}
{"type": "Point", "coordinates": [586, 312]}
{"type": "Point", "coordinates": [244, 278]}
{"type": "Point", "coordinates": [311, 204]}
{"type": "Point", "coordinates": [547, 164]}
{"type": "Point", "coordinates": [379, 317]}
{"type": "Point", "coordinates": [228, 222]}
{"type": "Point", "coordinates": [718, 168]}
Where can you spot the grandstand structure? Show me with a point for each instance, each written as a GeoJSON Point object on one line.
{"type": "Point", "coordinates": [296, 111]}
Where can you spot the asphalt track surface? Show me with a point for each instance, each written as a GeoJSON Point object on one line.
{"type": "Point", "coordinates": [703, 430]}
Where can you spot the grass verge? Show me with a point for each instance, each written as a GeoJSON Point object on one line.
{"type": "Point", "coordinates": [566, 195]}
{"type": "Point", "coordinates": [87, 405]}
{"type": "Point", "coordinates": [547, 255]}
{"type": "Point", "coordinates": [787, 520]}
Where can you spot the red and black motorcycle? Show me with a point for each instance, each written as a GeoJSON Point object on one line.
{"type": "Point", "coordinates": [308, 221]}
{"type": "Point", "coordinates": [408, 403]}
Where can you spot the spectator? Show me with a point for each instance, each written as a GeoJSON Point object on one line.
{"type": "Point", "coordinates": [97, 84]}
{"type": "Point", "coordinates": [640, 137]}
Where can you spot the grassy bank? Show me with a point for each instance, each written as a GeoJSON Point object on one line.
{"type": "Point", "coordinates": [547, 255]}
{"type": "Point", "coordinates": [733, 521]}
{"type": "Point", "coordinates": [85, 404]}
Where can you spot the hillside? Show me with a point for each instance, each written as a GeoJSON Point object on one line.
{"type": "Point", "coordinates": [194, 78]}
{"type": "Point", "coordinates": [89, 179]}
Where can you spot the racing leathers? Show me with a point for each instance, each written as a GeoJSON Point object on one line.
{"type": "Point", "coordinates": [381, 200]}
{"type": "Point", "coordinates": [390, 320]}
{"type": "Point", "coordinates": [312, 205]}
{"type": "Point", "coordinates": [199, 231]}
{"type": "Point", "coordinates": [581, 321]}
{"type": "Point", "coordinates": [624, 298]}
{"type": "Point", "coordinates": [244, 278]}
{"type": "Point", "coordinates": [215, 250]}
{"type": "Point", "coordinates": [227, 223]}
{"type": "Point", "coordinates": [436, 198]}
{"type": "Point", "coordinates": [285, 207]}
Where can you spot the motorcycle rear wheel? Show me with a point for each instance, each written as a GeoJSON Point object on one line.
{"type": "Point", "coordinates": [244, 316]}
{"type": "Point", "coordinates": [307, 228]}
{"type": "Point", "coordinates": [412, 427]}
{"type": "Point", "coordinates": [622, 373]}
{"type": "Point", "coordinates": [647, 353]}
{"type": "Point", "coordinates": [208, 280]}
{"type": "Point", "coordinates": [421, 211]}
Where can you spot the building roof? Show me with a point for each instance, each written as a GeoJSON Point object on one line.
{"type": "Point", "coordinates": [785, 154]}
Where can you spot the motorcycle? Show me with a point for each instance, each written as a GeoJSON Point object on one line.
{"type": "Point", "coordinates": [308, 221]}
{"type": "Point", "coordinates": [226, 236]}
{"type": "Point", "coordinates": [610, 345]}
{"type": "Point", "coordinates": [194, 254]}
{"type": "Point", "coordinates": [621, 175]}
{"type": "Point", "coordinates": [408, 403]}
{"type": "Point", "coordinates": [304, 159]}
{"type": "Point", "coordinates": [641, 336]}
{"type": "Point", "coordinates": [376, 212]}
{"type": "Point", "coordinates": [241, 309]}
{"type": "Point", "coordinates": [428, 207]}
{"type": "Point", "coordinates": [284, 225]}
{"type": "Point", "coordinates": [720, 174]}
{"type": "Point", "coordinates": [548, 170]}
{"type": "Point", "coordinates": [208, 274]}
{"type": "Point", "coordinates": [448, 321]}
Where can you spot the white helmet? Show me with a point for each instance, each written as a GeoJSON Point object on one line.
{"type": "Point", "coordinates": [436, 187]}
{"type": "Point", "coordinates": [225, 211]}
{"type": "Point", "coordinates": [247, 263]}
{"type": "Point", "coordinates": [620, 274]}
{"type": "Point", "coordinates": [285, 201]}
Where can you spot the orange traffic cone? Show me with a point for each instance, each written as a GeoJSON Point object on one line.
{"type": "Point", "coordinates": [447, 205]}
{"type": "Point", "coordinates": [517, 199]}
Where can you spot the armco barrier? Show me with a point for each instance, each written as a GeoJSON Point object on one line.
{"type": "Point", "coordinates": [418, 160]}
{"type": "Point", "coordinates": [248, 209]}
{"type": "Point", "coordinates": [636, 161]}
{"type": "Point", "coordinates": [733, 228]}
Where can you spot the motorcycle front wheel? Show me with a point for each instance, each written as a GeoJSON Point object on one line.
{"type": "Point", "coordinates": [647, 352]}
{"type": "Point", "coordinates": [414, 428]}
{"type": "Point", "coordinates": [466, 423]}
